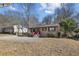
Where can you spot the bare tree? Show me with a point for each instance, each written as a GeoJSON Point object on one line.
{"type": "Point", "coordinates": [47, 19]}
{"type": "Point", "coordinates": [4, 20]}
{"type": "Point", "coordinates": [66, 11]}
{"type": "Point", "coordinates": [5, 4]}
{"type": "Point", "coordinates": [14, 17]}
{"type": "Point", "coordinates": [33, 21]}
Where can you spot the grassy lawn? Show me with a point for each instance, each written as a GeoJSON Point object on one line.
{"type": "Point", "coordinates": [48, 46]}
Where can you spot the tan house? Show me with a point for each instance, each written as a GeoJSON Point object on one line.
{"type": "Point", "coordinates": [47, 28]}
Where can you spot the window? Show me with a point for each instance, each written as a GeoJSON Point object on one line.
{"type": "Point", "coordinates": [52, 29]}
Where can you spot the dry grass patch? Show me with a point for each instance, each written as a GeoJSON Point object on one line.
{"type": "Point", "coordinates": [51, 46]}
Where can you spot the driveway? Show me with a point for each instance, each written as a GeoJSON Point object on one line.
{"type": "Point", "coordinates": [18, 38]}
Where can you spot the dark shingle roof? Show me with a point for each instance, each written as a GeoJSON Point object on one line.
{"type": "Point", "coordinates": [50, 25]}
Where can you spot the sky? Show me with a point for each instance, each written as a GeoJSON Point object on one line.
{"type": "Point", "coordinates": [39, 9]}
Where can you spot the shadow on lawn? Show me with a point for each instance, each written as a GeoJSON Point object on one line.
{"type": "Point", "coordinates": [76, 37]}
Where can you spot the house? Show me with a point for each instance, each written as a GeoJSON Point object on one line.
{"type": "Point", "coordinates": [13, 29]}
{"type": "Point", "coordinates": [47, 28]}
{"type": "Point", "coordinates": [6, 29]}
{"type": "Point", "coordinates": [19, 29]}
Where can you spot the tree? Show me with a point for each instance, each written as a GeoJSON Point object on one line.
{"type": "Point", "coordinates": [66, 11]}
{"type": "Point", "coordinates": [4, 20]}
{"type": "Point", "coordinates": [28, 9]}
{"type": "Point", "coordinates": [5, 4]}
{"type": "Point", "coordinates": [64, 16]}
{"type": "Point", "coordinates": [22, 17]}
{"type": "Point", "coordinates": [33, 21]}
{"type": "Point", "coordinates": [15, 17]}
{"type": "Point", "coordinates": [67, 25]}
{"type": "Point", "coordinates": [76, 17]}
{"type": "Point", "coordinates": [47, 19]}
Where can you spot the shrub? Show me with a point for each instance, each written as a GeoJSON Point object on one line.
{"type": "Point", "coordinates": [29, 35]}
{"type": "Point", "coordinates": [76, 30]}
{"type": "Point", "coordinates": [52, 34]}
{"type": "Point", "coordinates": [48, 34]}
{"type": "Point", "coordinates": [25, 34]}
{"type": "Point", "coordinates": [43, 34]}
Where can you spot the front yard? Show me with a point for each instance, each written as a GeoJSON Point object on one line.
{"type": "Point", "coordinates": [44, 46]}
